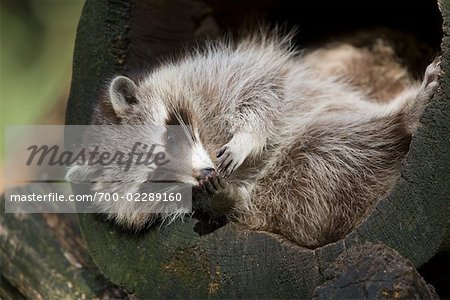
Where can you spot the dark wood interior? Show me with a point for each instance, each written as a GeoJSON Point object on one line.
{"type": "Point", "coordinates": [317, 19]}
{"type": "Point", "coordinates": [166, 28]}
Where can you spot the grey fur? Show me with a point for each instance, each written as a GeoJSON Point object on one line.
{"type": "Point", "coordinates": [304, 150]}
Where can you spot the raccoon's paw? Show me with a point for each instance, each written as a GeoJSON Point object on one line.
{"type": "Point", "coordinates": [214, 183]}
{"type": "Point", "coordinates": [231, 156]}
{"type": "Point", "coordinates": [430, 80]}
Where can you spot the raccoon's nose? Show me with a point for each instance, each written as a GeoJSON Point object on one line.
{"type": "Point", "coordinates": [206, 171]}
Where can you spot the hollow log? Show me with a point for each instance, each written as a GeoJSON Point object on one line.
{"type": "Point", "coordinates": [181, 260]}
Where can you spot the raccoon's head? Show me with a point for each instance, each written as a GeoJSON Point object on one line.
{"type": "Point", "coordinates": [139, 121]}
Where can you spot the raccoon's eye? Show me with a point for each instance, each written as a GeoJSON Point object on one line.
{"type": "Point", "coordinates": [170, 138]}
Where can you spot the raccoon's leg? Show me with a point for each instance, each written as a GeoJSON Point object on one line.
{"type": "Point", "coordinates": [251, 116]}
{"type": "Point", "coordinates": [222, 196]}
{"type": "Point", "coordinates": [432, 72]}
{"type": "Point", "coordinates": [428, 87]}
{"type": "Point", "coordinates": [215, 184]}
{"type": "Point", "coordinates": [411, 102]}
{"type": "Point", "coordinates": [233, 154]}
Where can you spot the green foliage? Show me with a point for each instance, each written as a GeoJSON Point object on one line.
{"type": "Point", "coordinates": [37, 40]}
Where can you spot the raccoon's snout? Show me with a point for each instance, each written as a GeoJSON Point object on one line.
{"type": "Point", "coordinates": [202, 174]}
{"type": "Point", "coordinates": [206, 172]}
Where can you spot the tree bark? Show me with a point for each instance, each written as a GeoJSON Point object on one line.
{"type": "Point", "coordinates": [373, 271]}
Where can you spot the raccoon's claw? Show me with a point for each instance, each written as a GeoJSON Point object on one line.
{"type": "Point", "coordinates": [221, 151]}
{"type": "Point", "coordinates": [229, 160]}
{"type": "Point", "coordinates": [224, 163]}
{"type": "Point", "coordinates": [215, 183]}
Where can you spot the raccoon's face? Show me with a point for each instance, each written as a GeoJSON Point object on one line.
{"type": "Point", "coordinates": [170, 133]}
{"type": "Point", "coordinates": [191, 162]}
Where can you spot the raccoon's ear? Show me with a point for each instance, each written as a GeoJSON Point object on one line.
{"type": "Point", "coordinates": [122, 93]}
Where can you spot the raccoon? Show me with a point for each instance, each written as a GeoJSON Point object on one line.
{"type": "Point", "coordinates": [295, 143]}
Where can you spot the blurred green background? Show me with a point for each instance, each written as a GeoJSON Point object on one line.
{"type": "Point", "coordinates": [37, 40]}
